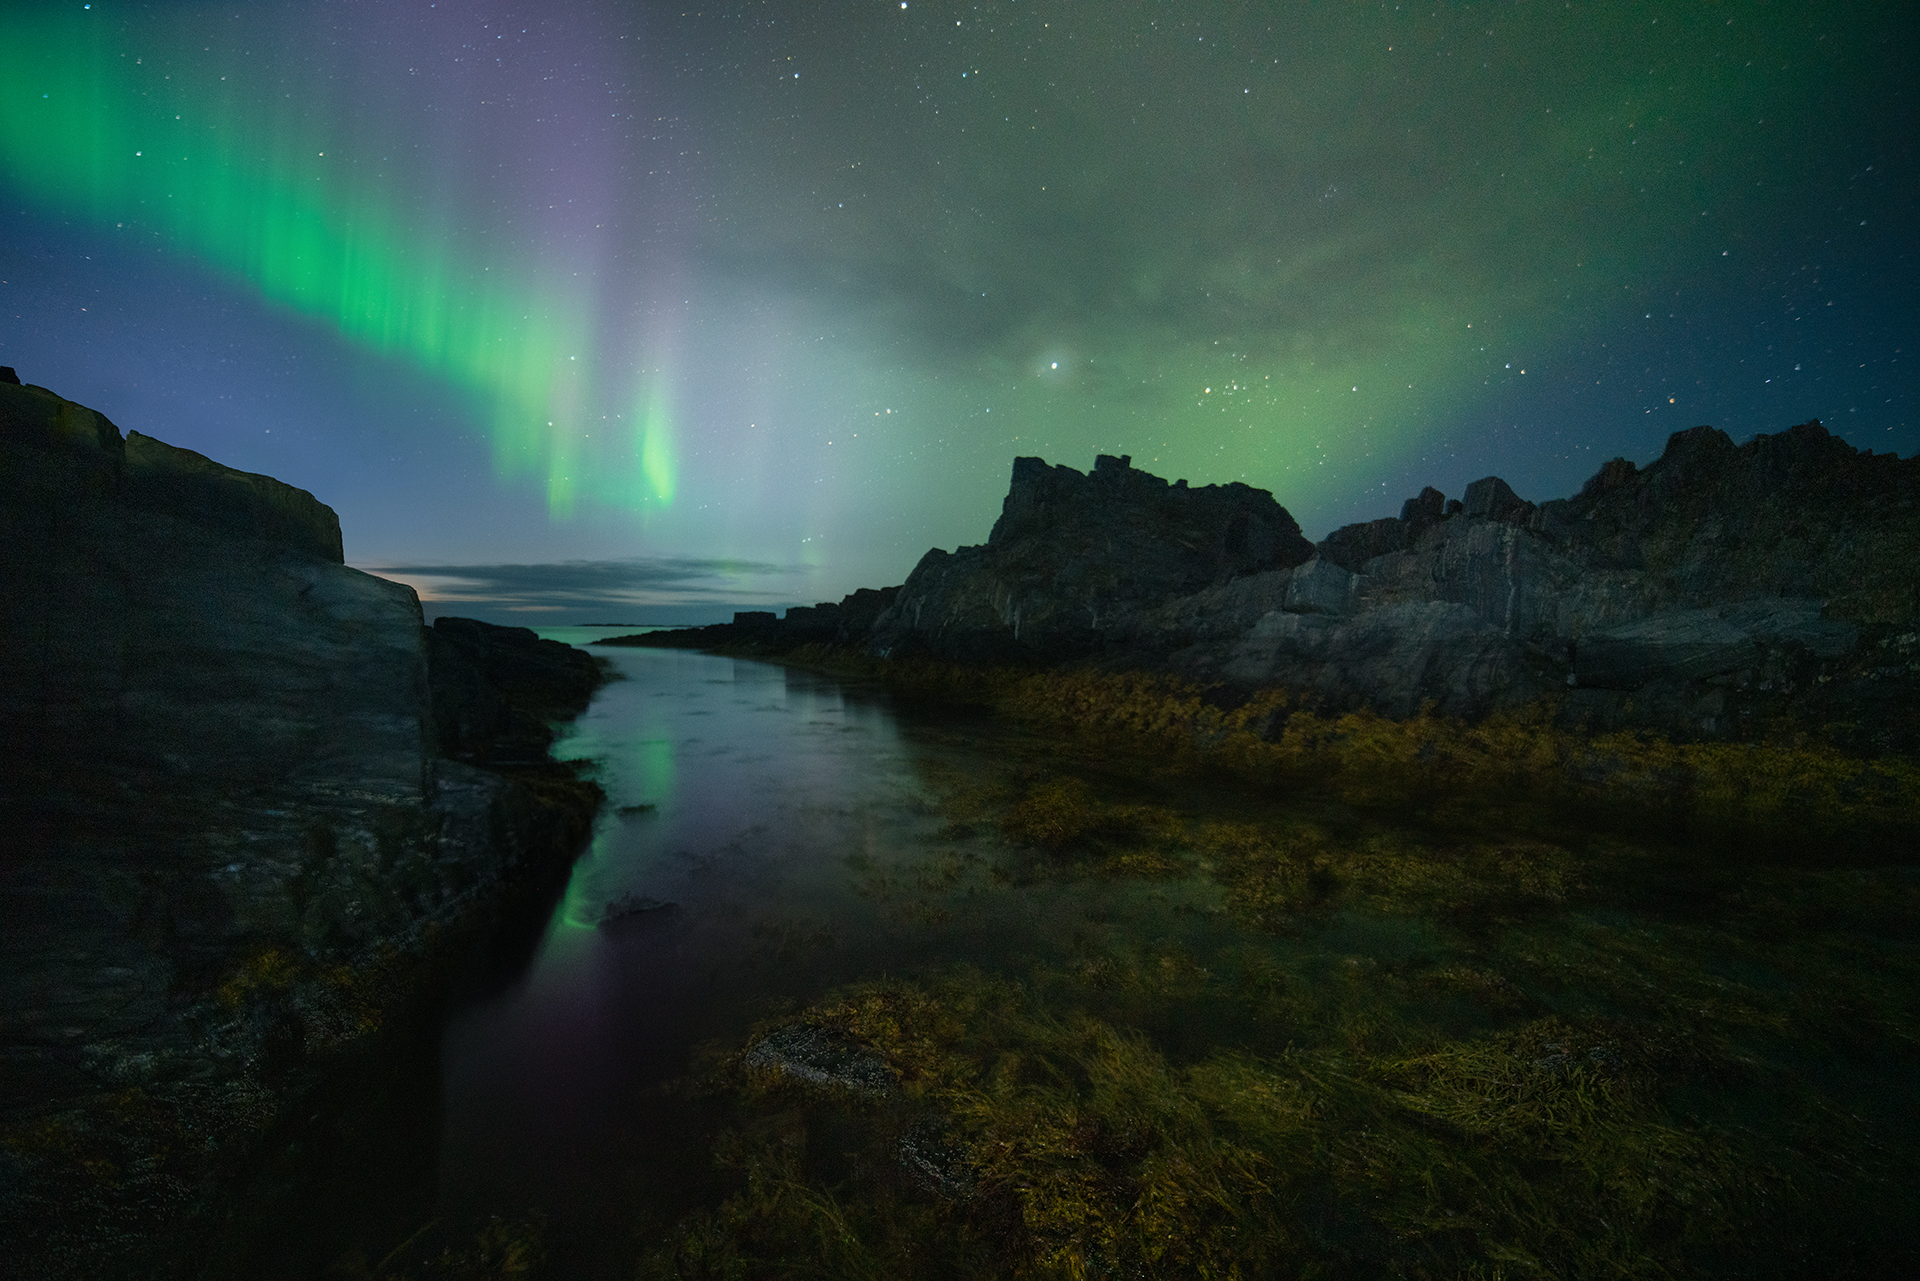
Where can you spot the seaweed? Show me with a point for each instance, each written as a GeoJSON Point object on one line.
{"type": "Point", "coordinates": [1553, 1148]}
{"type": "Point", "coordinates": [1414, 1034]}
{"type": "Point", "coordinates": [1326, 994]}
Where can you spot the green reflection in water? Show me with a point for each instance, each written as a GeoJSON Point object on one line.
{"type": "Point", "coordinates": [654, 767]}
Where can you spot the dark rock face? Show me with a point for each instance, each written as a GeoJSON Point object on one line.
{"type": "Point", "coordinates": [1720, 587]}
{"type": "Point", "coordinates": [1493, 499]}
{"type": "Point", "coordinates": [495, 690]}
{"type": "Point", "coordinates": [224, 788]}
{"type": "Point", "coordinates": [1071, 551]}
{"type": "Point", "coordinates": [1694, 644]}
{"type": "Point", "coordinates": [1428, 507]}
{"type": "Point", "coordinates": [1400, 656]}
{"type": "Point", "coordinates": [860, 611]}
{"type": "Point", "coordinates": [1352, 546]}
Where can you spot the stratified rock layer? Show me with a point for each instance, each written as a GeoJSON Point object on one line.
{"type": "Point", "coordinates": [225, 808]}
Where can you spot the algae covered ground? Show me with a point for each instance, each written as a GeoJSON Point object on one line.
{"type": "Point", "coordinates": [1333, 1031]}
{"type": "Point", "coordinates": [1191, 990]}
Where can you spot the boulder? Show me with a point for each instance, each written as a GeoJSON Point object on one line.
{"type": "Point", "coordinates": [1321, 587]}
{"type": "Point", "coordinates": [824, 1058]}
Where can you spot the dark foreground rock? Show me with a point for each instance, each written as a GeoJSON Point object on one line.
{"type": "Point", "coordinates": [237, 820]}
{"type": "Point", "coordinates": [1722, 591]}
{"type": "Point", "coordinates": [497, 690]}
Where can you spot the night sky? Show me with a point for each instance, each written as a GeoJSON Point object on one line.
{"type": "Point", "coordinates": [601, 312]}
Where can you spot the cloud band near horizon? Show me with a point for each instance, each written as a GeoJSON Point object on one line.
{"type": "Point", "coordinates": [668, 589]}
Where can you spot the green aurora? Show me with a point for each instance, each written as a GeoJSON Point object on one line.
{"type": "Point", "coordinates": [793, 285]}
{"type": "Point", "coordinates": [164, 141]}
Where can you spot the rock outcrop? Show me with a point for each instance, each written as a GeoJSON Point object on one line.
{"type": "Point", "coordinates": [1722, 588]}
{"type": "Point", "coordinates": [496, 691]}
{"type": "Point", "coordinates": [1072, 553]}
{"type": "Point", "coordinates": [229, 817]}
{"type": "Point", "coordinates": [847, 623]}
{"type": "Point", "coordinates": [1721, 591]}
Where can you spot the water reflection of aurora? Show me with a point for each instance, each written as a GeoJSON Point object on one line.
{"type": "Point", "coordinates": [1137, 1015]}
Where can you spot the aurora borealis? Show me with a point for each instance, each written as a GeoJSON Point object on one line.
{"type": "Point", "coordinates": [603, 310]}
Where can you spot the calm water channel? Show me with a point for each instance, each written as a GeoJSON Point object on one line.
{"type": "Point", "coordinates": [792, 825]}
{"type": "Point", "coordinates": [773, 792]}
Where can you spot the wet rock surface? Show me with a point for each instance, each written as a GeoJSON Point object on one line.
{"type": "Point", "coordinates": [234, 834]}
{"type": "Point", "coordinates": [820, 1057]}
{"type": "Point", "coordinates": [934, 1157]}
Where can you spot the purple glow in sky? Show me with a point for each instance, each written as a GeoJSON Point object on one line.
{"type": "Point", "coordinates": [611, 312]}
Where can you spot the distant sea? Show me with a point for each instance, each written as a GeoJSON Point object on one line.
{"type": "Point", "coordinates": [585, 633]}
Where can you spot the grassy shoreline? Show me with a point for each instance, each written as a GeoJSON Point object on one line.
{"type": "Point", "coordinates": [1799, 789]}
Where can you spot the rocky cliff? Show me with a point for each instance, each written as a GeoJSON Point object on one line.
{"type": "Point", "coordinates": [1722, 591]}
{"type": "Point", "coordinates": [1072, 554]}
{"type": "Point", "coordinates": [234, 813]}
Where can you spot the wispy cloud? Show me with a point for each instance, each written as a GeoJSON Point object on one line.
{"type": "Point", "coordinates": [665, 589]}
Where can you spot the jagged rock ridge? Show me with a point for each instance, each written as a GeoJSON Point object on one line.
{"type": "Point", "coordinates": [1073, 552]}
{"type": "Point", "coordinates": [1720, 590]}
{"type": "Point", "coordinates": [1720, 583]}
